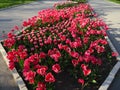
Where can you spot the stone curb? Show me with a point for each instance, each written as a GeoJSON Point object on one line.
{"type": "Point", "coordinates": [14, 72]}
{"type": "Point", "coordinates": [105, 85]}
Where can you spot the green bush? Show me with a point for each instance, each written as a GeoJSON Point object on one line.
{"type": "Point", "coordinates": [8, 3]}
{"type": "Point", "coordinates": [80, 1]}
{"type": "Point", "coordinates": [65, 5]}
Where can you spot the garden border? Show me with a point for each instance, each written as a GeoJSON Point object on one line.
{"type": "Point", "coordinates": [14, 72]}
{"type": "Point", "coordinates": [105, 85]}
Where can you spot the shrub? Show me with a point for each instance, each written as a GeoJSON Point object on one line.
{"type": "Point", "coordinates": [79, 1]}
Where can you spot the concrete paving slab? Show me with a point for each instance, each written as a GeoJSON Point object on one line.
{"type": "Point", "coordinates": [6, 79]}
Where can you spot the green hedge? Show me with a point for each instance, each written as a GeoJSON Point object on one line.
{"type": "Point", "coordinates": [80, 1]}
{"type": "Point", "coordinates": [8, 3]}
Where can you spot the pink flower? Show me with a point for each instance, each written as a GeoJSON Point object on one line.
{"type": "Point", "coordinates": [80, 59]}
{"type": "Point", "coordinates": [84, 67]}
{"type": "Point", "coordinates": [11, 65]}
{"type": "Point", "coordinates": [63, 37]}
{"type": "Point", "coordinates": [42, 70]}
{"type": "Point", "coordinates": [86, 72]}
{"type": "Point", "coordinates": [114, 54]}
{"type": "Point", "coordinates": [75, 63]}
{"type": "Point", "coordinates": [55, 54]}
{"type": "Point", "coordinates": [49, 78]}
{"type": "Point", "coordinates": [10, 35]}
{"type": "Point", "coordinates": [41, 86]}
{"type": "Point", "coordinates": [60, 46]}
{"type": "Point", "coordinates": [56, 68]}
{"type": "Point", "coordinates": [67, 49]}
{"type": "Point", "coordinates": [85, 40]}
{"type": "Point", "coordinates": [100, 49]}
{"type": "Point", "coordinates": [87, 59]}
{"type": "Point", "coordinates": [74, 54]}
{"type": "Point", "coordinates": [74, 44]}
{"type": "Point", "coordinates": [30, 76]}
{"type": "Point", "coordinates": [23, 55]}
{"type": "Point", "coordinates": [20, 48]}
{"type": "Point", "coordinates": [81, 81]}
{"type": "Point", "coordinates": [42, 55]}
{"type": "Point", "coordinates": [9, 42]}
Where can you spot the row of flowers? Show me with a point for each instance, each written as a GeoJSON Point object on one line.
{"type": "Point", "coordinates": [57, 40]}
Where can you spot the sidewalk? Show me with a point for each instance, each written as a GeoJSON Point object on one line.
{"type": "Point", "coordinates": [6, 79]}
{"type": "Point", "coordinates": [110, 13]}
{"type": "Point", "coordinates": [16, 15]}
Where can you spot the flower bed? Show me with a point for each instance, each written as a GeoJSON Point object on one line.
{"type": "Point", "coordinates": [69, 41]}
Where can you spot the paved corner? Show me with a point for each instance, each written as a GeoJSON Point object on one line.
{"type": "Point", "coordinates": [16, 15]}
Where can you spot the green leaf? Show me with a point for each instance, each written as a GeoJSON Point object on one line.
{"type": "Point", "coordinates": [94, 81]}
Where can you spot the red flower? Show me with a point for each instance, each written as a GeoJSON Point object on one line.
{"type": "Point", "coordinates": [30, 76]}
{"type": "Point", "coordinates": [114, 54]}
{"type": "Point", "coordinates": [99, 62]}
{"type": "Point", "coordinates": [81, 81]}
{"type": "Point", "coordinates": [100, 49]}
{"type": "Point", "coordinates": [84, 67]}
{"type": "Point", "coordinates": [60, 46]}
{"type": "Point", "coordinates": [55, 54]}
{"type": "Point", "coordinates": [23, 55]}
{"type": "Point", "coordinates": [80, 59]}
{"type": "Point", "coordinates": [62, 37]}
{"type": "Point", "coordinates": [86, 72]}
{"type": "Point", "coordinates": [42, 71]}
{"type": "Point", "coordinates": [74, 54]}
{"type": "Point", "coordinates": [41, 86]}
{"type": "Point", "coordinates": [75, 63]}
{"type": "Point", "coordinates": [49, 78]}
{"type": "Point", "coordinates": [11, 65]}
{"type": "Point", "coordinates": [42, 55]}
{"type": "Point", "coordinates": [56, 68]}
{"type": "Point", "coordinates": [9, 42]}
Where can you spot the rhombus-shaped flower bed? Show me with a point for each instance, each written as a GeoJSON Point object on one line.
{"type": "Point", "coordinates": [61, 49]}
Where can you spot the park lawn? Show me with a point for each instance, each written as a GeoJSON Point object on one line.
{"type": "Point", "coordinates": [116, 1]}
{"type": "Point", "coordinates": [8, 3]}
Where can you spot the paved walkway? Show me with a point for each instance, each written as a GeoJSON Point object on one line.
{"type": "Point", "coordinates": [6, 79]}
{"type": "Point", "coordinates": [15, 16]}
{"type": "Point", "coordinates": [110, 12]}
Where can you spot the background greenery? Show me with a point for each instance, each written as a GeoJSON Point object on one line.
{"type": "Point", "coordinates": [116, 1]}
{"type": "Point", "coordinates": [79, 0]}
{"type": "Point", "coordinates": [7, 3]}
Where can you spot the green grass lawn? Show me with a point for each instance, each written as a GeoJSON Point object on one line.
{"type": "Point", "coordinates": [7, 3]}
{"type": "Point", "coordinates": [116, 1]}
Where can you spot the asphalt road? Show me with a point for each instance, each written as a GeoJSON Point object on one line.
{"type": "Point", "coordinates": [110, 13]}
{"type": "Point", "coordinates": [16, 15]}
